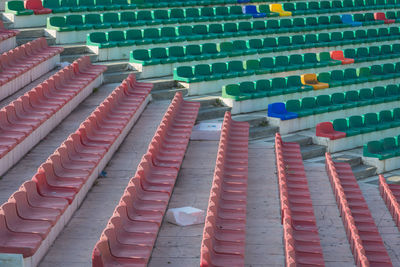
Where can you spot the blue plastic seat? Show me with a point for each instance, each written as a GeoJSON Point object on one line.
{"type": "Point", "coordinates": [278, 110]}
{"type": "Point", "coordinates": [252, 10]}
{"type": "Point", "coordinates": [348, 19]}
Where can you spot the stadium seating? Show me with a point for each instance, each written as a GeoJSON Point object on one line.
{"type": "Point", "coordinates": [224, 234]}
{"type": "Point", "coordinates": [307, 112]}
{"type": "Point", "coordinates": [300, 231]}
{"type": "Point", "coordinates": [384, 154]}
{"type": "Point", "coordinates": [26, 63]}
{"type": "Point", "coordinates": [363, 235]}
{"type": "Point", "coordinates": [361, 129]}
{"type": "Point", "coordinates": [132, 230]}
{"type": "Point", "coordinates": [7, 38]}
{"type": "Point", "coordinates": [279, 9]}
{"type": "Point", "coordinates": [252, 10]}
{"type": "Point", "coordinates": [248, 96]}
{"type": "Point", "coordinates": [37, 7]}
{"type": "Point", "coordinates": [35, 214]}
{"type": "Point", "coordinates": [29, 118]}
{"type": "Point", "coordinates": [390, 194]}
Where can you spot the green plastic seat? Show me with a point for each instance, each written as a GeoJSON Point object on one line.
{"type": "Point", "coordinates": [308, 105]}
{"type": "Point", "coordinates": [236, 67]}
{"type": "Point", "coordinates": [299, 24]}
{"type": "Point", "coordinates": [123, 4]}
{"type": "Point", "coordinates": [98, 39]}
{"type": "Point", "coordinates": [374, 149]}
{"type": "Point", "coordinates": [350, 53]}
{"type": "Point", "coordinates": [364, 74]}
{"type": "Point", "coordinates": [341, 125]}
{"type": "Point", "coordinates": [312, 22]}
{"type": "Point", "coordinates": [293, 105]}
{"type": "Point", "coordinates": [134, 35]}
{"type": "Point", "coordinates": [152, 35]}
{"type": "Point", "coordinates": [244, 28]}
{"type": "Point", "coordinates": [216, 30]}
{"type": "Point", "coordinates": [202, 32]}
{"type": "Point", "coordinates": [141, 56]}
{"type": "Point", "coordinates": [272, 26]}
{"type": "Point", "coordinates": [94, 20]}
{"type": "Point", "coordinates": [284, 43]}
{"type": "Point", "coordinates": [225, 48]}
{"type": "Point", "coordinates": [218, 70]}
{"type": "Point", "coordinates": [386, 119]}
{"type": "Point", "coordinates": [349, 37]}
{"type": "Point", "coordinates": [77, 22]}
{"type": "Point", "coordinates": [396, 117]}
{"type": "Point", "coordinates": [186, 32]}
{"type": "Point", "coordinates": [386, 52]}
{"type": "Point", "coordinates": [222, 13]}
{"type": "Point", "coordinates": [177, 14]}
{"type": "Point", "coordinates": [324, 104]}
{"type": "Point", "coordinates": [176, 53]}
{"type": "Point", "coordinates": [259, 26]}
{"type": "Point", "coordinates": [210, 49]}
{"type": "Point", "coordinates": [255, 44]}
{"type": "Point", "coordinates": [230, 29]}
{"type": "Point", "coordinates": [193, 14]}
{"type": "Point", "coordinates": [159, 55]}
{"type": "Point", "coordinates": [59, 24]}
{"type": "Point", "coordinates": [356, 123]}
{"type": "Point", "coordinates": [270, 43]}
{"type": "Point", "coordinates": [266, 65]}
{"type": "Point", "coordinates": [311, 61]}
{"type": "Point", "coordinates": [185, 74]}
{"type": "Point", "coordinates": [371, 120]}
{"type": "Point", "coordinates": [208, 14]}
{"type": "Point", "coordinates": [366, 96]}
{"type": "Point", "coordinates": [232, 91]}
{"type": "Point", "coordinates": [311, 40]}
{"type": "Point", "coordinates": [285, 25]}
{"type": "Point", "coordinates": [294, 81]}
{"type": "Point", "coordinates": [193, 52]}
{"type": "Point", "coordinates": [383, 34]}
{"type": "Point", "coordinates": [281, 63]}
{"type": "Point", "coordinates": [361, 35]}
{"type": "Point", "coordinates": [390, 146]}
{"type": "Point", "coordinates": [251, 66]}
{"type": "Point", "coordinates": [296, 62]}
{"type": "Point", "coordinates": [54, 5]}
{"type": "Point", "coordinates": [90, 5]}
{"type": "Point", "coordinates": [298, 42]}
{"type": "Point", "coordinates": [145, 17]}
{"type": "Point", "coordinates": [168, 34]}
{"type": "Point", "coordinates": [117, 38]}
{"type": "Point", "coordinates": [162, 16]}
{"type": "Point", "coordinates": [202, 71]}
{"type": "Point", "coordinates": [350, 76]}
{"type": "Point", "coordinates": [352, 97]}
{"type": "Point", "coordinates": [313, 7]}
{"type": "Point", "coordinates": [392, 92]}
{"type": "Point", "coordinates": [339, 99]}
{"type": "Point", "coordinates": [130, 18]}
{"type": "Point", "coordinates": [113, 20]}
{"type": "Point", "coordinates": [240, 47]}
{"type": "Point", "coordinates": [389, 71]}
{"type": "Point", "coordinates": [73, 5]}
{"type": "Point", "coordinates": [337, 78]}
{"type": "Point", "coordinates": [376, 73]}
{"type": "Point", "coordinates": [248, 89]}
{"type": "Point", "coordinates": [106, 4]}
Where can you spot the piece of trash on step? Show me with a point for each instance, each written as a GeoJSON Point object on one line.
{"type": "Point", "coordinates": [185, 216]}
{"type": "Point", "coordinates": [103, 174]}
{"type": "Point", "coordinates": [206, 131]}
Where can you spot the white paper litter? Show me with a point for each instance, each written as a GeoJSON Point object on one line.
{"type": "Point", "coordinates": [185, 216]}
{"type": "Point", "coordinates": [206, 131]}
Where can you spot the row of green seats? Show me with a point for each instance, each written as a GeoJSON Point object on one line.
{"type": "Point", "coordinates": [313, 7]}
{"type": "Point", "coordinates": [278, 86]}
{"type": "Point", "coordinates": [338, 101]}
{"type": "Point", "coordinates": [367, 123]}
{"type": "Point", "coordinates": [231, 69]}
{"type": "Point", "coordinates": [145, 17]}
{"type": "Point", "coordinates": [193, 32]}
{"type": "Point", "coordinates": [372, 53]}
{"type": "Point", "coordinates": [173, 54]}
{"type": "Point", "coordinates": [393, 15]}
{"type": "Point", "coordinates": [264, 88]}
{"type": "Point", "coordinates": [364, 74]}
{"type": "Point", "coordinates": [63, 6]}
{"type": "Point", "coordinates": [385, 148]}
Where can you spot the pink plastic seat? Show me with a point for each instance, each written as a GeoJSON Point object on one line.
{"type": "Point", "coordinates": [338, 55]}
{"type": "Point", "coordinates": [37, 7]}
{"type": "Point", "coordinates": [382, 16]}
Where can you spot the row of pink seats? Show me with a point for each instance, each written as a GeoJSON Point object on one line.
{"type": "Point", "coordinates": [29, 118]}
{"type": "Point", "coordinates": [34, 215]}
{"type": "Point", "coordinates": [5, 34]}
{"type": "Point", "coordinates": [391, 195]}
{"type": "Point", "coordinates": [365, 241]}
{"type": "Point", "coordinates": [131, 232]}
{"type": "Point", "coordinates": [224, 234]}
{"type": "Point", "coordinates": [26, 63]}
{"type": "Point", "coordinates": [300, 231]}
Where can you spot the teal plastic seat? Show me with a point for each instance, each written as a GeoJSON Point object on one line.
{"type": "Point", "coordinates": [77, 22]}
{"type": "Point", "coordinates": [352, 98]}
{"type": "Point", "coordinates": [293, 105]}
{"type": "Point", "coordinates": [371, 120]}
{"type": "Point", "coordinates": [99, 39]}
{"type": "Point", "coordinates": [266, 64]}
{"type": "Point", "coordinates": [106, 5]}
{"type": "Point", "coordinates": [202, 71]}
{"type": "Point", "coordinates": [324, 104]}
{"type": "Point", "coordinates": [240, 47]}
{"type": "Point", "coordinates": [298, 42]}
{"type": "Point", "coordinates": [366, 96]}
{"type": "Point", "coordinates": [193, 52]}
{"type": "Point", "coordinates": [230, 29]}
{"type": "Point", "coordinates": [225, 48]}
{"type": "Point", "coordinates": [341, 125]}
{"type": "Point", "coordinates": [134, 35]}
{"type": "Point", "coordinates": [350, 76]}
{"type": "Point", "coordinates": [140, 56]}
{"type": "Point", "coordinates": [279, 84]}
{"type": "Point", "coordinates": [364, 74]}
{"type": "Point", "coordinates": [73, 6]}
{"type": "Point", "coordinates": [248, 89]}
{"type": "Point", "coordinates": [185, 74]}
{"type": "Point", "coordinates": [236, 67]}
{"type": "Point", "coordinates": [90, 5]}
{"type": "Point", "coordinates": [59, 24]}
{"type": "Point", "coordinates": [396, 117]}
{"type": "Point", "coordinates": [284, 43]}
{"type": "Point", "coordinates": [117, 38]}
{"type": "Point", "coordinates": [375, 149]}
{"type": "Point", "coordinates": [162, 16]}
{"type": "Point", "coordinates": [54, 5]}
{"type": "Point", "coordinates": [218, 70]}
{"type": "Point", "coordinates": [216, 30]}
{"type": "Point", "coordinates": [390, 146]}
{"type": "Point", "coordinates": [232, 91]}
{"type": "Point", "coordinates": [339, 99]}
{"type": "Point", "coordinates": [308, 106]}
{"type": "Point", "coordinates": [113, 20]}
{"type": "Point", "coordinates": [159, 55]}
{"type": "Point", "coordinates": [94, 21]}
{"type": "Point", "coordinates": [386, 119]}
{"type": "Point", "coordinates": [392, 92]}
{"type": "Point", "coordinates": [251, 66]}
{"type": "Point", "coordinates": [356, 123]}
{"type": "Point", "coordinates": [145, 17]}
{"type": "Point", "coordinates": [210, 49]}
{"type": "Point", "coordinates": [177, 14]}
{"type": "Point", "coordinates": [294, 81]}
{"type": "Point", "coordinates": [281, 63]}
{"type": "Point", "coordinates": [176, 53]}
{"type": "Point", "coordinates": [168, 34]}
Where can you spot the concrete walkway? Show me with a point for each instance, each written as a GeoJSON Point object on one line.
{"type": "Point", "coordinates": [28, 165]}
{"type": "Point", "coordinates": [179, 246]}
{"type": "Point", "coordinates": [74, 246]}
{"type": "Point", "coordinates": [264, 230]}
{"type": "Point", "coordinates": [383, 220]}
{"type": "Point", "coordinates": [334, 242]}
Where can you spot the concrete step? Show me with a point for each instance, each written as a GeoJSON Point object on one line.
{"type": "Point", "coordinates": [352, 160]}
{"type": "Point", "coordinates": [74, 49]}
{"type": "Point", "coordinates": [114, 66]}
{"type": "Point", "coordinates": [30, 33]}
{"type": "Point", "coordinates": [205, 100]}
{"type": "Point", "coordinates": [212, 112]}
{"type": "Point", "coordinates": [302, 140]}
{"type": "Point", "coordinates": [363, 171]}
{"type": "Point", "coordinates": [167, 93]}
{"type": "Point", "coordinates": [71, 58]}
{"type": "Point", "coordinates": [21, 41]}
{"type": "Point", "coordinates": [312, 151]}
{"type": "Point", "coordinates": [162, 83]}
{"type": "Point", "coordinates": [259, 132]}
{"type": "Point", "coordinates": [116, 77]}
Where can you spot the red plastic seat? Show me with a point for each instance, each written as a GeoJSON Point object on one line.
{"type": "Point", "coordinates": [325, 129]}
{"type": "Point", "coordinates": [338, 55]}
{"type": "Point", "coordinates": [19, 225]}
{"type": "Point", "coordinates": [382, 16]}
{"type": "Point", "coordinates": [17, 243]}
{"type": "Point", "coordinates": [47, 190]}
{"type": "Point", "coordinates": [37, 7]}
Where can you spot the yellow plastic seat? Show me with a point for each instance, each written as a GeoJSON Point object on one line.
{"type": "Point", "coordinates": [311, 80]}
{"type": "Point", "coordinates": [279, 9]}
